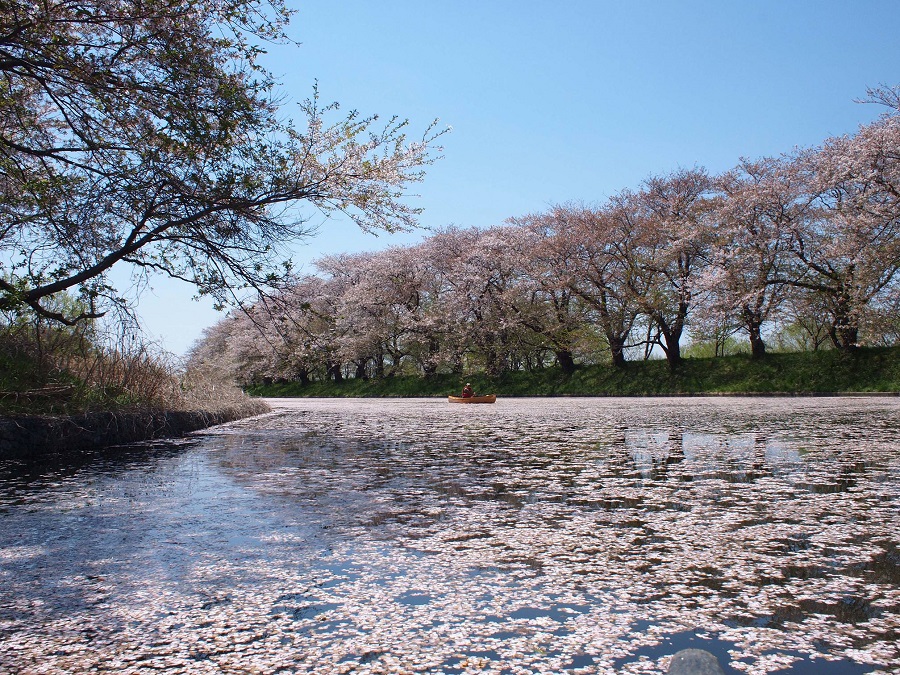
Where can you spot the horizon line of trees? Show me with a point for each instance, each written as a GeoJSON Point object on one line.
{"type": "Point", "coordinates": [805, 245]}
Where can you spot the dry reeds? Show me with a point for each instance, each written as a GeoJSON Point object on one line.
{"type": "Point", "coordinates": [60, 369]}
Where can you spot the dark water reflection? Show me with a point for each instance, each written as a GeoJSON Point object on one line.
{"type": "Point", "coordinates": [531, 536]}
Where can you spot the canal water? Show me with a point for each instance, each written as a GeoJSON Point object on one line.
{"type": "Point", "coordinates": [417, 536]}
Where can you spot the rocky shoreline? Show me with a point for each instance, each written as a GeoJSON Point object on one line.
{"type": "Point", "coordinates": [28, 437]}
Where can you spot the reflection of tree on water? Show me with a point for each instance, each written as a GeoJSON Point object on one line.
{"type": "Point", "coordinates": [653, 451]}
{"type": "Point", "coordinates": [735, 457]}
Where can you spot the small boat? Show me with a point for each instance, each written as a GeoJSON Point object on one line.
{"type": "Point", "coordinates": [490, 398]}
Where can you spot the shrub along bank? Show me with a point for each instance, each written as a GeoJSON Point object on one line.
{"type": "Point", "coordinates": [868, 370]}
{"type": "Point", "coordinates": [63, 394]}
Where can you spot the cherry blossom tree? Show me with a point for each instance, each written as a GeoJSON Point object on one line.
{"type": "Point", "coordinates": [484, 283]}
{"type": "Point", "coordinates": [284, 337]}
{"type": "Point", "coordinates": [358, 329]}
{"type": "Point", "coordinates": [673, 249]}
{"type": "Point", "coordinates": [758, 203]}
{"type": "Point", "coordinates": [430, 322]}
{"type": "Point", "coordinates": [530, 324]}
{"type": "Point", "coordinates": [849, 247]}
{"type": "Point", "coordinates": [237, 349]}
{"type": "Point", "coordinates": [803, 248]}
{"type": "Point", "coordinates": [602, 242]}
{"type": "Point", "coordinates": [146, 134]}
{"type": "Point", "coordinates": [305, 318]}
{"type": "Point", "coordinates": [548, 258]}
{"type": "Point", "coordinates": [386, 315]}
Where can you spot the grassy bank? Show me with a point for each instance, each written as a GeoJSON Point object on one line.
{"type": "Point", "coordinates": [824, 372]}
{"type": "Point", "coordinates": [62, 393]}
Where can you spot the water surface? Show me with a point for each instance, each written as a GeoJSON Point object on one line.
{"type": "Point", "coordinates": [416, 536]}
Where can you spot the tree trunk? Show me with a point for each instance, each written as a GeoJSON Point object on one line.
{"type": "Point", "coordinates": [671, 344]}
{"type": "Point", "coordinates": [566, 362]}
{"type": "Point", "coordinates": [430, 364]}
{"type": "Point", "coordinates": [844, 335]}
{"type": "Point", "coordinates": [495, 366]}
{"type": "Point", "coordinates": [673, 354]}
{"type": "Point", "coordinates": [757, 345]}
{"type": "Point", "coordinates": [844, 330]}
{"type": "Point", "coordinates": [752, 320]}
{"type": "Point", "coordinates": [334, 372]}
{"type": "Point", "coordinates": [617, 349]}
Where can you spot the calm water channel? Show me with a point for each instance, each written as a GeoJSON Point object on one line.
{"type": "Point", "coordinates": [417, 536]}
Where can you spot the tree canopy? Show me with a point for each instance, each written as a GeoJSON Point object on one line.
{"type": "Point", "coordinates": [799, 251]}
{"type": "Point", "coordinates": [146, 133]}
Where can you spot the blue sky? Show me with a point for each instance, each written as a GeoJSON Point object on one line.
{"type": "Point", "coordinates": [551, 102]}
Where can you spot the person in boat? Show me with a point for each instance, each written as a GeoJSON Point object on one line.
{"type": "Point", "coordinates": [467, 391]}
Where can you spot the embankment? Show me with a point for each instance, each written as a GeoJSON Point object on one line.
{"type": "Point", "coordinates": [828, 372]}
{"type": "Point", "coordinates": [28, 437]}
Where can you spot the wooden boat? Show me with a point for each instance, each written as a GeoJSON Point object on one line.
{"type": "Point", "coordinates": [490, 398]}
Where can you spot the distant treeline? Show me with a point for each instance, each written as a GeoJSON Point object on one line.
{"type": "Point", "coordinates": [799, 252]}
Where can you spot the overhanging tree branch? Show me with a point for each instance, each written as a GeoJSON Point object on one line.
{"type": "Point", "coordinates": [146, 133]}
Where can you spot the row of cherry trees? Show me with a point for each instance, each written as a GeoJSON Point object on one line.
{"type": "Point", "coordinates": [810, 239]}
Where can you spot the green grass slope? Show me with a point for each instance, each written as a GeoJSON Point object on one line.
{"type": "Point", "coordinates": [824, 372]}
